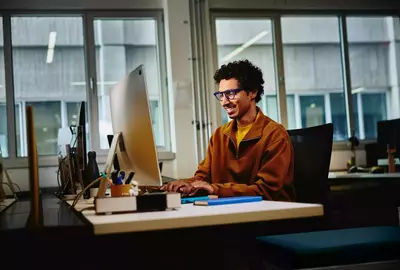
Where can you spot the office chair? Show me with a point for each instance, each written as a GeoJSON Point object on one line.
{"type": "Point", "coordinates": [312, 158]}
{"type": "Point", "coordinates": [324, 248]}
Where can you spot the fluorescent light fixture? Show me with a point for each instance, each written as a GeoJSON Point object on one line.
{"type": "Point", "coordinates": [103, 83]}
{"type": "Point", "coordinates": [50, 49]}
{"type": "Point", "coordinates": [52, 40]}
{"type": "Point", "coordinates": [357, 90]}
{"type": "Point", "coordinates": [244, 46]}
{"type": "Point", "coordinates": [50, 54]}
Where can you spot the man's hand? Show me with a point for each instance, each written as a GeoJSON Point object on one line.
{"type": "Point", "coordinates": [188, 189]}
{"type": "Point", "coordinates": [177, 186]}
{"type": "Point", "coordinates": [200, 185]}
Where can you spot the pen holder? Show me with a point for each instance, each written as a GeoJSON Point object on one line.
{"type": "Point", "coordinates": [120, 190]}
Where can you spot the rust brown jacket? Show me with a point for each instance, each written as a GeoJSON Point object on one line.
{"type": "Point", "coordinates": [263, 164]}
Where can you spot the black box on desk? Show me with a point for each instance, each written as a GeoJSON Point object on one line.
{"type": "Point", "coordinates": [158, 201]}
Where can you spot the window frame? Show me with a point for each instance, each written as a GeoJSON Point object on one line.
{"type": "Point", "coordinates": [164, 153]}
{"type": "Point", "coordinates": [275, 17]}
{"type": "Point", "coordinates": [15, 162]}
{"type": "Point", "coordinates": [277, 52]}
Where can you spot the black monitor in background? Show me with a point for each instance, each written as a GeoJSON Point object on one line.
{"type": "Point", "coordinates": [389, 134]}
{"type": "Point", "coordinates": [82, 124]}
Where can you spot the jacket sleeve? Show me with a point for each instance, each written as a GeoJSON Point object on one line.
{"type": "Point", "coordinates": [203, 172]}
{"type": "Point", "coordinates": [274, 169]}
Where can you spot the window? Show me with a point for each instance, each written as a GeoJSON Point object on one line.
{"type": "Point", "coordinates": [312, 110]}
{"type": "Point", "coordinates": [250, 39]}
{"type": "Point", "coordinates": [338, 115]}
{"type": "Point", "coordinates": [3, 107]}
{"type": "Point", "coordinates": [313, 72]}
{"type": "Point", "coordinates": [121, 46]}
{"type": "Point", "coordinates": [73, 109]}
{"type": "Point", "coordinates": [373, 65]}
{"type": "Point", "coordinates": [48, 61]}
{"type": "Point", "coordinates": [155, 112]}
{"type": "Point", "coordinates": [47, 119]}
{"type": "Point", "coordinates": [3, 129]}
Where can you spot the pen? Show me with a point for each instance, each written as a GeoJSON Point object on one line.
{"type": "Point", "coordinates": [119, 182]}
{"type": "Point", "coordinates": [129, 179]}
{"type": "Point", "coordinates": [122, 174]}
{"type": "Point", "coordinates": [114, 177]}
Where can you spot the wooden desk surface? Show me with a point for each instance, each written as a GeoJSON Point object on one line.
{"type": "Point", "coordinates": [193, 216]}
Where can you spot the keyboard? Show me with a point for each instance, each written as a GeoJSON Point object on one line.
{"type": "Point", "coordinates": [166, 179]}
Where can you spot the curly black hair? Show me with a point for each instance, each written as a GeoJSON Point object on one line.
{"type": "Point", "coordinates": [249, 76]}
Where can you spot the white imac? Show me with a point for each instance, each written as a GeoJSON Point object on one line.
{"type": "Point", "coordinates": [133, 139]}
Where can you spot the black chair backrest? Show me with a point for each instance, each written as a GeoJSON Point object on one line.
{"type": "Point", "coordinates": [312, 151]}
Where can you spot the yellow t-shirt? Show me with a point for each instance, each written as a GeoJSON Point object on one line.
{"type": "Point", "coordinates": [241, 132]}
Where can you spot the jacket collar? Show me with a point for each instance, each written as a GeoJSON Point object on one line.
{"type": "Point", "coordinates": [255, 131]}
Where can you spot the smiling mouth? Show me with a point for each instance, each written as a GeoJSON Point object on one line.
{"type": "Point", "coordinates": [230, 109]}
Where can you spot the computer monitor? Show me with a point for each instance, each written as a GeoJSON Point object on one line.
{"type": "Point", "coordinates": [81, 133]}
{"type": "Point", "coordinates": [389, 134]}
{"type": "Point", "coordinates": [133, 139]}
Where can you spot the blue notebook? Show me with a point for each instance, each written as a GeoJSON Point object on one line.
{"type": "Point", "coordinates": [229, 200]}
{"type": "Point", "coordinates": [200, 198]}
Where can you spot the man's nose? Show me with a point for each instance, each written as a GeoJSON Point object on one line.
{"type": "Point", "coordinates": [224, 100]}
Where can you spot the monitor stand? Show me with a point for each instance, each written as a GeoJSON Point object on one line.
{"type": "Point", "coordinates": [117, 144]}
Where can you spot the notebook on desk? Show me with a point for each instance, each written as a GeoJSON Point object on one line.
{"type": "Point", "coordinates": [230, 200]}
{"type": "Point", "coordinates": [193, 199]}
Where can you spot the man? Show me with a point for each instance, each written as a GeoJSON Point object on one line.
{"type": "Point", "coordinates": [249, 156]}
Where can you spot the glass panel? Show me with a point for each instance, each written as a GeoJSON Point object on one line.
{"type": "Point", "coordinates": [3, 130]}
{"type": "Point", "coordinates": [250, 39]}
{"type": "Point", "coordinates": [73, 109]}
{"type": "Point", "coordinates": [121, 46]}
{"type": "Point", "coordinates": [291, 111]}
{"type": "Point", "coordinates": [312, 110]}
{"type": "Point", "coordinates": [21, 145]}
{"type": "Point", "coordinates": [47, 119]}
{"type": "Point", "coordinates": [373, 65]}
{"type": "Point", "coordinates": [155, 112]}
{"type": "Point", "coordinates": [374, 110]}
{"type": "Point", "coordinates": [338, 112]}
{"type": "Point", "coordinates": [48, 62]}
{"type": "Point", "coordinates": [312, 59]}
{"type": "Point", "coordinates": [3, 108]}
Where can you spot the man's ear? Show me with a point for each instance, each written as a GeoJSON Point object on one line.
{"type": "Point", "coordinates": [253, 94]}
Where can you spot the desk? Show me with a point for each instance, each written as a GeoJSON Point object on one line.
{"type": "Point", "coordinates": [195, 216]}
{"type": "Point", "coordinates": [341, 175]}
{"type": "Point", "coordinates": [6, 203]}
{"type": "Point", "coordinates": [364, 199]}
{"type": "Point", "coordinates": [191, 237]}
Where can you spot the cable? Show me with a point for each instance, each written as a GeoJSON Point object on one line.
{"type": "Point", "coordinates": [78, 196]}
{"type": "Point", "coordinates": [4, 183]}
{"type": "Point", "coordinates": [59, 170]}
{"type": "Point", "coordinates": [87, 208]}
{"type": "Point", "coordinates": [16, 186]}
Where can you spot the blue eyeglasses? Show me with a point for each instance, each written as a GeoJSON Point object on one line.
{"type": "Point", "coordinates": [229, 94]}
